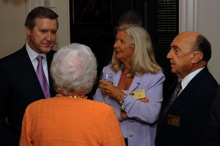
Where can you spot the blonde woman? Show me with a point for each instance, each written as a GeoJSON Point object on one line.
{"type": "Point", "coordinates": [136, 91]}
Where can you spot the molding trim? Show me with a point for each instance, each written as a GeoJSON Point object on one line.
{"type": "Point", "coordinates": [188, 15]}
{"type": "Point", "coordinates": [34, 3]}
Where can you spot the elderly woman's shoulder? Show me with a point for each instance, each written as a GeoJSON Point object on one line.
{"type": "Point", "coordinates": [36, 104]}
{"type": "Point", "coordinates": [85, 103]}
{"type": "Point", "coordinates": [40, 102]}
{"type": "Point", "coordinates": [99, 105]}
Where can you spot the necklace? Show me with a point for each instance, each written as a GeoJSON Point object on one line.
{"type": "Point", "coordinates": [128, 75]}
{"type": "Point", "coordinates": [75, 96]}
{"type": "Point", "coordinates": [80, 96]}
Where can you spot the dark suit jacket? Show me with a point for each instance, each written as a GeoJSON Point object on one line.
{"type": "Point", "coordinates": [19, 86]}
{"type": "Point", "coordinates": [190, 112]}
{"type": "Point", "coordinates": [212, 134]}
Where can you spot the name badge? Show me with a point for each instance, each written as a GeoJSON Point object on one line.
{"type": "Point", "coordinates": [174, 120]}
{"type": "Point", "coordinates": [138, 94]}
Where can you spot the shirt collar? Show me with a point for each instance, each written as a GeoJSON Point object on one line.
{"type": "Point", "coordinates": [32, 54]}
{"type": "Point", "coordinates": [185, 81]}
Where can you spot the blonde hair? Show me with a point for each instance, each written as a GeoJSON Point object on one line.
{"type": "Point", "coordinates": [143, 60]}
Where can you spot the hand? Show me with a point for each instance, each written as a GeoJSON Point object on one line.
{"type": "Point", "coordinates": [123, 115]}
{"type": "Point", "coordinates": [145, 100]}
{"type": "Point", "coordinates": [110, 90]}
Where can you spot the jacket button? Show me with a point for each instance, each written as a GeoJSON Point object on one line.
{"type": "Point", "coordinates": [130, 134]}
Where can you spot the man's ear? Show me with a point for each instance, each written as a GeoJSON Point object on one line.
{"type": "Point", "coordinates": [28, 31]}
{"type": "Point", "coordinates": [197, 56]}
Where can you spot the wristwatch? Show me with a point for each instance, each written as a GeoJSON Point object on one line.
{"type": "Point", "coordinates": [122, 108]}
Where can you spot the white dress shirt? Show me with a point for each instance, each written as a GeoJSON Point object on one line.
{"type": "Point", "coordinates": [32, 55]}
{"type": "Point", "coordinates": [185, 81]}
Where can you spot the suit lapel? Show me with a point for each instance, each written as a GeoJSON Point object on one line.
{"type": "Point", "coordinates": [27, 73]}
{"type": "Point", "coordinates": [49, 60]}
{"type": "Point", "coordinates": [182, 98]}
{"type": "Point", "coordinates": [135, 83]}
{"type": "Point", "coordinates": [186, 93]}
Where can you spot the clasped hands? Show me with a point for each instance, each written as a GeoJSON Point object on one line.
{"type": "Point", "coordinates": [114, 92]}
{"type": "Point", "coordinates": [110, 90]}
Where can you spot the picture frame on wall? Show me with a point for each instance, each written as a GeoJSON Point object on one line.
{"type": "Point", "coordinates": [92, 11]}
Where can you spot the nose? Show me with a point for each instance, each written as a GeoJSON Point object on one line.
{"type": "Point", "coordinates": [49, 36]}
{"type": "Point", "coordinates": [115, 45]}
{"type": "Point", "coordinates": [169, 55]}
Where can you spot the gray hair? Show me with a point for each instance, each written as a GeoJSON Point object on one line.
{"type": "Point", "coordinates": [74, 69]}
{"type": "Point", "coordinates": [202, 44]}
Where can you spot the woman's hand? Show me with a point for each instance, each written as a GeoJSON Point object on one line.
{"type": "Point", "coordinates": [110, 90]}
{"type": "Point", "coordinates": [145, 100]}
{"type": "Point", "coordinates": [123, 115]}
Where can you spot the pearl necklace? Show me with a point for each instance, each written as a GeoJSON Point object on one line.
{"type": "Point", "coordinates": [75, 96]}
{"type": "Point", "coordinates": [79, 96]}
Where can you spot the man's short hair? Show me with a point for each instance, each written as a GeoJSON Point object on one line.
{"type": "Point", "coordinates": [203, 45]}
{"type": "Point", "coordinates": [39, 12]}
{"type": "Point", "coordinates": [130, 17]}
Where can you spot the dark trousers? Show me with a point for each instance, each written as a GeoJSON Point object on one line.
{"type": "Point", "coordinates": [126, 141]}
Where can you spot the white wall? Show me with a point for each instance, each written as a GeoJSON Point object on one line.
{"type": "Point", "coordinates": [12, 32]}
{"type": "Point", "coordinates": [209, 25]}
{"type": "Point", "coordinates": [203, 16]}
{"type": "Point", "coordinates": [13, 14]}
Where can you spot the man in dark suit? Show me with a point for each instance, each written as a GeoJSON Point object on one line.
{"type": "Point", "coordinates": [183, 119]}
{"type": "Point", "coordinates": [212, 134]}
{"type": "Point", "coordinates": [19, 83]}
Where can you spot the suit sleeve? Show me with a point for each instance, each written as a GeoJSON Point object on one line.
{"type": "Point", "coordinates": [147, 112]}
{"type": "Point", "coordinates": [212, 134]}
{"type": "Point", "coordinates": [200, 114]}
{"type": "Point", "coordinates": [7, 135]}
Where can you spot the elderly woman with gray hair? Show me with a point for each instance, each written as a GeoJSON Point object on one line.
{"type": "Point", "coordinates": [135, 88]}
{"type": "Point", "coordinates": [69, 118]}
